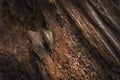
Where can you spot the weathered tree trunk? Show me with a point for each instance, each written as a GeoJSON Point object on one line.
{"type": "Point", "coordinates": [86, 40]}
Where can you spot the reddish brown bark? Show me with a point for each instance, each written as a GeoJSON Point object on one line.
{"type": "Point", "coordinates": [85, 33]}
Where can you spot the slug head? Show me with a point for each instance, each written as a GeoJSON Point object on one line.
{"type": "Point", "coordinates": [48, 38]}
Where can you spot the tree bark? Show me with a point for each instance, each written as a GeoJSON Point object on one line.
{"type": "Point", "coordinates": [86, 40]}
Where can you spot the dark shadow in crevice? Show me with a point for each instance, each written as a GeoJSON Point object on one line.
{"type": "Point", "coordinates": [11, 69]}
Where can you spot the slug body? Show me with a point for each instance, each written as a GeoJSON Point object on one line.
{"type": "Point", "coordinates": [35, 38]}
{"type": "Point", "coordinates": [43, 39]}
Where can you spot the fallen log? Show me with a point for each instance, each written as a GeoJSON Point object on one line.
{"type": "Point", "coordinates": [59, 40]}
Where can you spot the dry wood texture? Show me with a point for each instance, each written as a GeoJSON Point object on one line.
{"type": "Point", "coordinates": [86, 40]}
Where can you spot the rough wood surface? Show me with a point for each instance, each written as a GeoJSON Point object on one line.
{"type": "Point", "coordinates": [86, 36]}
